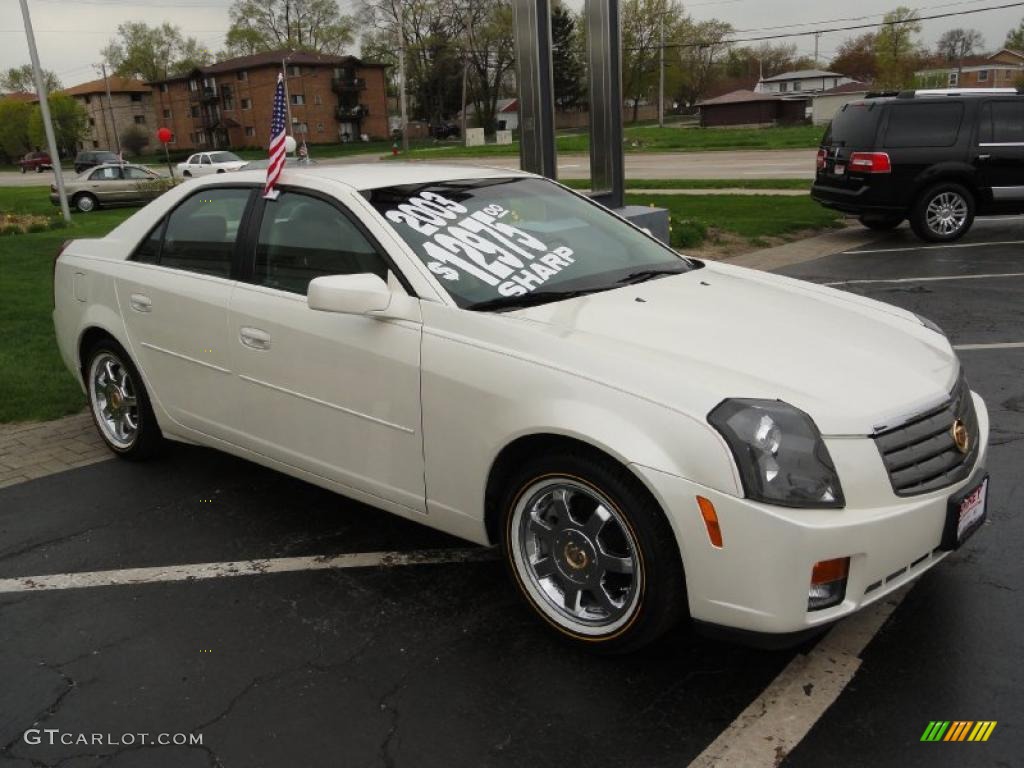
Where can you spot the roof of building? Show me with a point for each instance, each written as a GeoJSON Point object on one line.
{"type": "Point", "coordinates": [854, 87]}
{"type": "Point", "coordinates": [117, 85]}
{"type": "Point", "coordinates": [801, 74]}
{"type": "Point", "coordinates": [273, 59]}
{"type": "Point", "coordinates": [20, 96]}
{"type": "Point", "coordinates": [743, 97]}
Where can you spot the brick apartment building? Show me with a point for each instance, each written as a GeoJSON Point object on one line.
{"type": "Point", "coordinates": [1004, 69]}
{"type": "Point", "coordinates": [228, 104]}
{"type": "Point", "coordinates": [130, 106]}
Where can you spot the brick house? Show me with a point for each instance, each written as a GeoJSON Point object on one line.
{"type": "Point", "coordinates": [1004, 69]}
{"type": "Point", "coordinates": [229, 104]}
{"type": "Point", "coordinates": [130, 106]}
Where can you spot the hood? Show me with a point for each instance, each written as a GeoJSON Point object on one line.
{"type": "Point", "coordinates": [692, 340]}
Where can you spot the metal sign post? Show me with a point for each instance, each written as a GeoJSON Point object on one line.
{"type": "Point", "coordinates": [532, 25]}
{"type": "Point", "coordinates": [604, 59]}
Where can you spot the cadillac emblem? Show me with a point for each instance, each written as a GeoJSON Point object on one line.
{"type": "Point", "coordinates": [961, 438]}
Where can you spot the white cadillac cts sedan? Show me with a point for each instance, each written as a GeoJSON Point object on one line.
{"type": "Point", "coordinates": [647, 437]}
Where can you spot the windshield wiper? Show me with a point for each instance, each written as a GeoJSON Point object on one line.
{"type": "Point", "coordinates": [649, 274]}
{"type": "Point", "coordinates": [533, 299]}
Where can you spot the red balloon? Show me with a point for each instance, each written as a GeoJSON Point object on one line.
{"type": "Point", "coordinates": [165, 135]}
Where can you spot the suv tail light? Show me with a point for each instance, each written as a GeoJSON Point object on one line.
{"type": "Point", "coordinates": [822, 154]}
{"type": "Point", "coordinates": [60, 250]}
{"type": "Point", "coordinates": [870, 162]}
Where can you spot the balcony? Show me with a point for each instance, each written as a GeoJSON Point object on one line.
{"type": "Point", "coordinates": [346, 84]}
{"type": "Point", "coordinates": [208, 93]}
{"type": "Point", "coordinates": [357, 112]}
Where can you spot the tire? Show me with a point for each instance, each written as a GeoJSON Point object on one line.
{"type": "Point", "coordinates": [943, 213]}
{"type": "Point", "coordinates": [119, 403]}
{"type": "Point", "coordinates": [591, 552]}
{"type": "Point", "coordinates": [39, 169]}
{"type": "Point", "coordinates": [220, 170]}
{"type": "Point", "coordinates": [85, 202]}
{"type": "Point", "coordinates": [881, 223]}
{"type": "Point", "coordinates": [23, 169]}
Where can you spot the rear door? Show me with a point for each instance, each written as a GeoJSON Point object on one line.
{"type": "Point", "coordinates": [920, 134]}
{"type": "Point", "coordinates": [853, 129]}
{"type": "Point", "coordinates": [106, 184]}
{"type": "Point", "coordinates": [999, 150]}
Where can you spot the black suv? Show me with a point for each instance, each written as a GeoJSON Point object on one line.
{"type": "Point", "coordinates": [88, 158]}
{"type": "Point", "coordinates": [938, 158]}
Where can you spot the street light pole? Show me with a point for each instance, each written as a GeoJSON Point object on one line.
{"type": "Point", "coordinates": [44, 108]}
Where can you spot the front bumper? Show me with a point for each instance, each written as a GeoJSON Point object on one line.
{"type": "Point", "coordinates": [758, 581]}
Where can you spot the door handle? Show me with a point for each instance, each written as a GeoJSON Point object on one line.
{"type": "Point", "coordinates": [140, 303]}
{"type": "Point", "coordinates": [254, 338]}
{"type": "Point", "coordinates": [984, 158]}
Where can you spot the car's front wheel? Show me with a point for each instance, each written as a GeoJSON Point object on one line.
{"type": "Point", "coordinates": [943, 213]}
{"type": "Point", "coordinates": [85, 202]}
{"type": "Point", "coordinates": [881, 223]}
{"type": "Point", "coordinates": [591, 551]}
{"type": "Point", "coordinates": [119, 402]}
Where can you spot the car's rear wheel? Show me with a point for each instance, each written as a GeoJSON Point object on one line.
{"type": "Point", "coordinates": [881, 223]}
{"type": "Point", "coordinates": [119, 402]}
{"type": "Point", "coordinates": [187, 174]}
{"type": "Point", "coordinates": [591, 551]}
{"type": "Point", "coordinates": [943, 213]}
{"type": "Point", "coordinates": [39, 169]}
{"type": "Point", "coordinates": [85, 202]}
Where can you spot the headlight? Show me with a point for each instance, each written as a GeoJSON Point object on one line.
{"type": "Point", "coordinates": [930, 324]}
{"type": "Point", "coordinates": [780, 454]}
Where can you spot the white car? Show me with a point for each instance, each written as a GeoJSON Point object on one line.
{"type": "Point", "coordinates": [204, 163]}
{"type": "Point", "coordinates": [645, 436]}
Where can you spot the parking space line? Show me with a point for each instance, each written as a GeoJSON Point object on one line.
{"type": "Point", "coordinates": [934, 279]}
{"type": "Point", "coordinates": [200, 571]}
{"type": "Point", "coordinates": [994, 345]}
{"type": "Point", "coordinates": [932, 247]}
{"type": "Point", "coordinates": [777, 720]}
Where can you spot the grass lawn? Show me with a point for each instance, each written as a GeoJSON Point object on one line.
{"type": "Point", "coordinates": [34, 384]}
{"type": "Point", "coordinates": [700, 183]}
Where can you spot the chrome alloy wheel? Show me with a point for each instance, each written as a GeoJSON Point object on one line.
{"type": "Point", "coordinates": [946, 213]}
{"type": "Point", "coordinates": [112, 395]}
{"type": "Point", "coordinates": [576, 556]}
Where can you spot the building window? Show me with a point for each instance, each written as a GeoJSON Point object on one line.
{"type": "Point", "coordinates": [797, 85]}
{"type": "Point", "coordinates": [319, 127]}
{"type": "Point", "coordinates": [294, 70]}
{"type": "Point", "coordinates": [87, 99]}
{"type": "Point", "coordinates": [193, 85]}
{"type": "Point", "coordinates": [243, 75]}
{"type": "Point", "coordinates": [167, 113]}
{"type": "Point", "coordinates": [298, 99]}
{"type": "Point", "coordinates": [95, 144]}
{"type": "Point", "coordinates": [191, 138]}
{"type": "Point", "coordinates": [316, 99]}
{"type": "Point", "coordinates": [250, 131]}
{"type": "Point", "coordinates": [163, 87]}
{"type": "Point", "coordinates": [140, 119]}
{"type": "Point", "coordinates": [954, 78]}
{"type": "Point", "coordinates": [200, 137]}
{"type": "Point", "coordinates": [136, 97]}
{"type": "Point", "coordinates": [983, 76]}
{"type": "Point", "coordinates": [246, 103]}
{"type": "Point", "coordinates": [92, 122]}
{"type": "Point", "coordinates": [783, 87]}
{"type": "Point", "coordinates": [299, 128]}
{"type": "Point", "coordinates": [195, 111]}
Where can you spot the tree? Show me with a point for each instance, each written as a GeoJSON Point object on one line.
{"type": "Point", "coordinates": [134, 140]}
{"type": "Point", "coordinates": [305, 25]}
{"type": "Point", "coordinates": [566, 65]}
{"type": "Point", "coordinates": [70, 123]}
{"type": "Point", "coordinates": [153, 53]}
{"type": "Point", "coordinates": [1015, 38]}
{"type": "Point", "coordinates": [702, 47]}
{"type": "Point", "coordinates": [897, 49]}
{"type": "Point", "coordinates": [641, 41]}
{"type": "Point", "coordinates": [855, 57]}
{"type": "Point", "coordinates": [14, 135]}
{"type": "Point", "coordinates": [21, 80]}
{"type": "Point", "coordinates": [955, 45]}
{"type": "Point", "coordinates": [489, 51]}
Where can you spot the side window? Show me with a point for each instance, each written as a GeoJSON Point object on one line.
{"type": "Point", "coordinates": [200, 233]}
{"type": "Point", "coordinates": [923, 125]}
{"type": "Point", "coordinates": [148, 251]}
{"type": "Point", "coordinates": [137, 174]}
{"type": "Point", "coordinates": [105, 174]}
{"type": "Point", "coordinates": [1001, 122]}
{"type": "Point", "coordinates": [302, 238]}
{"type": "Point", "coordinates": [205, 160]}
{"type": "Point", "coordinates": [192, 160]}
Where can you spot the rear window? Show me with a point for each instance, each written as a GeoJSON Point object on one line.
{"type": "Point", "coordinates": [923, 125]}
{"type": "Point", "coordinates": [854, 126]}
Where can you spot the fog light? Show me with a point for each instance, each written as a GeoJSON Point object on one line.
{"type": "Point", "coordinates": [828, 583]}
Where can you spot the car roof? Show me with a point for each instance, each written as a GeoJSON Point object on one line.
{"type": "Point", "coordinates": [386, 173]}
{"type": "Point", "coordinates": [118, 165]}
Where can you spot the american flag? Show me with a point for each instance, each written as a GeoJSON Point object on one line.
{"type": "Point", "coordinates": [277, 134]}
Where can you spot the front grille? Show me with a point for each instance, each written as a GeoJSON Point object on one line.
{"type": "Point", "coordinates": [921, 455]}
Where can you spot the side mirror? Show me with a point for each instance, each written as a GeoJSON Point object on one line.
{"type": "Point", "coordinates": [358, 294]}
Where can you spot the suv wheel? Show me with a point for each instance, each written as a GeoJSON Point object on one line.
{"type": "Point", "coordinates": [881, 223]}
{"type": "Point", "coordinates": [943, 213]}
{"type": "Point", "coordinates": [591, 551]}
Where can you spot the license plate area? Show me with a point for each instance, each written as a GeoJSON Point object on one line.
{"type": "Point", "coordinates": [965, 513]}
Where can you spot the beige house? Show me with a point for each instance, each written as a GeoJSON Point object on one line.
{"type": "Point", "coordinates": [130, 106]}
{"type": "Point", "coordinates": [825, 104]}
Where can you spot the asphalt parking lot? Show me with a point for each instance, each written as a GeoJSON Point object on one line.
{"type": "Point", "coordinates": [436, 663]}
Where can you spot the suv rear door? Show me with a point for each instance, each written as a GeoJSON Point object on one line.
{"type": "Point", "coordinates": [853, 129]}
{"type": "Point", "coordinates": [999, 150]}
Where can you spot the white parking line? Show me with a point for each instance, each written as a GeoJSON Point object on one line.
{"type": "Point", "coordinates": [924, 279]}
{"type": "Point", "coordinates": [932, 247]}
{"type": "Point", "coordinates": [996, 345]}
{"type": "Point", "coordinates": [198, 571]}
{"type": "Point", "coordinates": [777, 720]}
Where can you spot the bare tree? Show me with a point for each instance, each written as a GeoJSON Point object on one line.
{"type": "Point", "coordinates": [955, 45]}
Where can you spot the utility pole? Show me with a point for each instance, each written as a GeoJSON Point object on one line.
{"type": "Point", "coordinates": [287, 98]}
{"type": "Point", "coordinates": [816, 36]}
{"type": "Point", "coordinates": [404, 120]}
{"type": "Point", "coordinates": [44, 108]}
{"type": "Point", "coordinates": [661, 70]}
{"type": "Point", "coordinates": [110, 110]}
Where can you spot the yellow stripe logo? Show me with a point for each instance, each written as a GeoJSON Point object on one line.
{"type": "Point", "coordinates": [958, 730]}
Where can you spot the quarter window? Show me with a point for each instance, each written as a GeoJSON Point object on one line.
{"type": "Point", "coordinates": [200, 233]}
{"type": "Point", "coordinates": [1001, 122]}
{"type": "Point", "coordinates": [302, 237]}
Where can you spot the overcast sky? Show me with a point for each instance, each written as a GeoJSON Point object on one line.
{"type": "Point", "coordinates": [70, 33]}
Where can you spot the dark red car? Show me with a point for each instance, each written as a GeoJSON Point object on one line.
{"type": "Point", "coordinates": [35, 161]}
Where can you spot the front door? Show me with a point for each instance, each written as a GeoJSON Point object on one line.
{"type": "Point", "coordinates": [1000, 151]}
{"type": "Point", "coordinates": [174, 296]}
{"type": "Point", "coordinates": [336, 395]}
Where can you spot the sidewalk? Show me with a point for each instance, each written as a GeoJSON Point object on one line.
{"type": "Point", "coordinates": [36, 449]}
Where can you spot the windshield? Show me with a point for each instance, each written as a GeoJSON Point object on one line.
{"type": "Point", "coordinates": [224, 157]}
{"type": "Point", "coordinates": [514, 241]}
